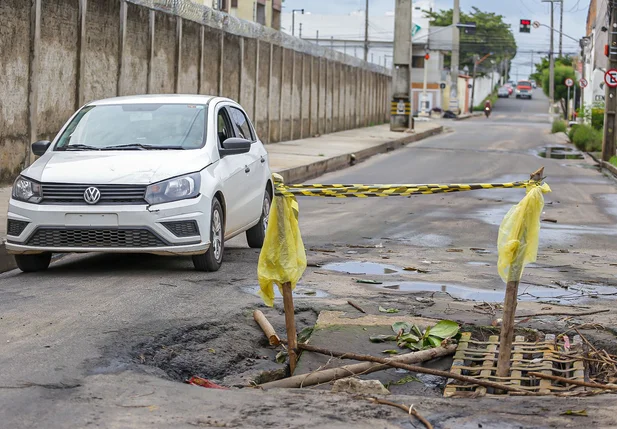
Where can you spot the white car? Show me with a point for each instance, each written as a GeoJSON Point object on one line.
{"type": "Point", "coordinates": [162, 174]}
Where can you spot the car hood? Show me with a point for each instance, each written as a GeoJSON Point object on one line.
{"type": "Point", "coordinates": [116, 167]}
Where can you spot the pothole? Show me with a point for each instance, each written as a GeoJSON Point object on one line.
{"type": "Point", "coordinates": [560, 152]}
{"type": "Point", "coordinates": [366, 268]}
{"type": "Point", "coordinates": [298, 292]}
{"type": "Point", "coordinates": [571, 294]}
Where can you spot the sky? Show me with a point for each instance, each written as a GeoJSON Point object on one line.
{"type": "Point", "coordinates": [574, 19]}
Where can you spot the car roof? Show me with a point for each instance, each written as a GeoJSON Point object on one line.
{"type": "Point", "coordinates": [158, 99]}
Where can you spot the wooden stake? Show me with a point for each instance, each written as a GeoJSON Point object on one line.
{"type": "Point", "coordinates": [266, 327]}
{"type": "Point", "coordinates": [568, 381]}
{"type": "Point", "coordinates": [290, 325]}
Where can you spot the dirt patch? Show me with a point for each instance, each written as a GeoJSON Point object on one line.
{"type": "Point", "coordinates": [230, 352]}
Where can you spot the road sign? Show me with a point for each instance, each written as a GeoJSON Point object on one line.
{"type": "Point", "coordinates": [569, 82]}
{"type": "Point", "coordinates": [536, 24]}
{"type": "Point", "coordinates": [583, 83]}
{"type": "Point", "coordinates": [442, 85]}
{"type": "Point", "coordinates": [610, 77]}
{"type": "Point", "coordinates": [525, 26]}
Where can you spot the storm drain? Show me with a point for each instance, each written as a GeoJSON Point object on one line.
{"type": "Point", "coordinates": [478, 359]}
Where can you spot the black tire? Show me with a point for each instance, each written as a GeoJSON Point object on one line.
{"type": "Point", "coordinates": [33, 263]}
{"type": "Point", "coordinates": [257, 234]}
{"type": "Point", "coordinates": [213, 258]}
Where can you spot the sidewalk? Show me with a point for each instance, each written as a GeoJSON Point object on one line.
{"type": "Point", "coordinates": [298, 160]}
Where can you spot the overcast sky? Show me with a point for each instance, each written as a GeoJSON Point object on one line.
{"type": "Point", "coordinates": [575, 15]}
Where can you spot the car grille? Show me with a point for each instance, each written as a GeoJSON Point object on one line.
{"type": "Point", "coordinates": [15, 227]}
{"type": "Point", "coordinates": [98, 238]}
{"type": "Point", "coordinates": [187, 228]}
{"type": "Point", "coordinates": [55, 193]}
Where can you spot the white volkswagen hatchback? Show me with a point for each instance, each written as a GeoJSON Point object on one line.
{"type": "Point", "coordinates": [162, 174]}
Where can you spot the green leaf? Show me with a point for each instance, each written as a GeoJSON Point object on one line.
{"type": "Point", "coordinates": [305, 334]}
{"type": "Point", "coordinates": [416, 331]}
{"type": "Point", "coordinates": [368, 282]}
{"type": "Point", "coordinates": [582, 413]}
{"type": "Point", "coordinates": [434, 341]}
{"type": "Point", "coordinates": [414, 346]}
{"type": "Point", "coordinates": [444, 329]}
{"type": "Point", "coordinates": [409, 338]}
{"type": "Point", "coordinates": [281, 356]}
{"type": "Point", "coordinates": [406, 379]}
{"type": "Point", "coordinates": [390, 352]}
{"type": "Point", "coordinates": [398, 326]}
{"type": "Point", "coordinates": [388, 310]}
{"type": "Point", "coordinates": [382, 338]}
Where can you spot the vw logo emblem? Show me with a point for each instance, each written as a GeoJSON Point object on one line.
{"type": "Point", "coordinates": [92, 195]}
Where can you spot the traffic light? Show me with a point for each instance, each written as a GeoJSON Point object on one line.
{"type": "Point", "coordinates": [427, 56]}
{"type": "Point", "coordinates": [525, 26]}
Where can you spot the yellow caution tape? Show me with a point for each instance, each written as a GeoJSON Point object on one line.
{"type": "Point", "coordinates": [365, 191]}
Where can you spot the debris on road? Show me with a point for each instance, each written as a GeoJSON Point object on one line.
{"type": "Point", "coordinates": [388, 310]}
{"type": "Point", "coordinates": [368, 281]}
{"type": "Point", "coordinates": [359, 387]}
{"type": "Point", "coordinates": [356, 306]}
{"type": "Point", "coordinates": [263, 323]}
{"type": "Point", "coordinates": [418, 270]}
{"type": "Point", "coordinates": [409, 410]}
{"type": "Point", "coordinates": [198, 381]}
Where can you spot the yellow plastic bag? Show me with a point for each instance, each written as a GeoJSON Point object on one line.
{"type": "Point", "coordinates": [519, 234]}
{"type": "Point", "coordinates": [282, 258]}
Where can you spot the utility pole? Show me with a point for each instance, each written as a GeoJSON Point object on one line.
{"type": "Point", "coordinates": [610, 113]}
{"type": "Point", "coordinates": [456, 15]}
{"type": "Point", "coordinates": [532, 64]}
{"type": "Point", "coordinates": [560, 28]}
{"type": "Point", "coordinates": [366, 32]}
{"type": "Point", "coordinates": [401, 117]}
{"type": "Point", "coordinates": [424, 102]}
{"type": "Point", "coordinates": [476, 62]}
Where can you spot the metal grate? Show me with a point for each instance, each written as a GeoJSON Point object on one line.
{"type": "Point", "coordinates": [187, 228]}
{"type": "Point", "coordinates": [99, 238]}
{"type": "Point", "coordinates": [15, 227]}
{"type": "Point", "coordinates": [478, 359]}
{"type": "Point", "coordinates": [54, 193]}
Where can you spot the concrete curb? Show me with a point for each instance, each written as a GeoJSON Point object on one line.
{"type": "Point", "coordinates": [606, 165]}
{"type": "Point", "coordinates": [467, 116]}
{"type": "Point", "coordinates": [7, 262]}
{"type": "Point", "coordinates": [306, 172]}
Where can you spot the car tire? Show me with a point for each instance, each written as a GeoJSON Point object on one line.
{"type": "Point", "coordinates": [213, 258]}
{"type": "Point", "coordinates": [257, 234]}
{"type": "Point", "coordinates": [33, 263]}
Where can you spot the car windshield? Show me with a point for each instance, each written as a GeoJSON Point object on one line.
{"type": "Point", "coordinates": [524, 83]}
{"type": "Point", "coordinates": [136, 127]}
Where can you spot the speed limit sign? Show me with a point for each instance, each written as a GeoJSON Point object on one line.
{"type": "Point", "coordinates": [583, 83]}
{"type": "Point", "coordinates": [569, 82]}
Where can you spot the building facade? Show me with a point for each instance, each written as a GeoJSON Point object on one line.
{"type": "Point", "coordinates": [595, 61]}
{"type": "Point", "coordinates": [264, 12]}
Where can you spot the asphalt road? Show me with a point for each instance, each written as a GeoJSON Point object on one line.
{"type": "Point", "coordinates": [67, 336]}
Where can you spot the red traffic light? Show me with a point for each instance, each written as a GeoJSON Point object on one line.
{"type": "Point", "coordinates": [525, 21]}
{"type": "Point", "coordinates": [427, 57]}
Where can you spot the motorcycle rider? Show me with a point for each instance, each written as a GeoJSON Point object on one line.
{"type": "Point", "coordinates": [487, 108]}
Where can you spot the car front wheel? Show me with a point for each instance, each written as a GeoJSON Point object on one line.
{"type": "Point", "coordinates": [257, 234]}
{"type": "Point", "coordinates": [33, 263]}
{"type": "Point", "coordinates": [213, 258]}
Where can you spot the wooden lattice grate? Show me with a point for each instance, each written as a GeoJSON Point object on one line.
{"type": "Point", "coordinates": [478, 359]}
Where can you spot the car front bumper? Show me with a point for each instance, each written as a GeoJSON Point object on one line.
{"type": "Point", "coordinates": [176, 228]}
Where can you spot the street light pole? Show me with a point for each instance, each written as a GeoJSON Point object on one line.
{"type": "Point", "coordinates": [456, 13]}
{"type": "Point", "coordinates": [293, 20]}
{"type": "Point", "coordinates": [366, 32]}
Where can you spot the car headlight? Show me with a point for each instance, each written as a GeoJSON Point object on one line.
{"type": "Point", "coordinates": [518, 91]}
{"type": "Point", "coordinates": [27, 190]}
{"type": "Point", "coordinates": [178, 188]}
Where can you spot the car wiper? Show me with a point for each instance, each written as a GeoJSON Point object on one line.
{"type": "Point", "coordinates": [81, 147]}
{"type": "Point", "coordinates": [140, 146]}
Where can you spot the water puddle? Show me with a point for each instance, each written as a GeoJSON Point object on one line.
{"type": "Point", "coordinates": [574, 293]}
{"type": "Point", "coordinates": [366, 268]}
{"type": "Point", "coordinates": [299, 292]}
{"type": "Point", "coordinates": [560, 152]}
{"type": "Point", "coordinates": [478, 264]}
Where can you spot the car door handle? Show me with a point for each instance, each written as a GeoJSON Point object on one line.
{"type": "Point", "coordinates": [247, 169]}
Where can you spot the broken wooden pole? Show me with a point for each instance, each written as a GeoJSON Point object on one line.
{"type": "Point", "coordinates": [511, 299]}
{"type": "Point", "coordinates": [290, 325]}
{"type": "Point", "coordinates": [265, 326]}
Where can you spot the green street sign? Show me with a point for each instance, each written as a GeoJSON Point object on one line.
{"type": "Point", "coordinates": [415, 29]}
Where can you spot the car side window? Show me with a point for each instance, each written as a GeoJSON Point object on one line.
{"type": "Point", "coordinates": [224, 128]}
{"type": "Point", "coordinates": [242, 123]}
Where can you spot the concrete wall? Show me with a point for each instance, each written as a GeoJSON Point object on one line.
{"type": "Point", "coordinates": [57, 55]}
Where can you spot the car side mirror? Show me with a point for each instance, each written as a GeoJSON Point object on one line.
{"type": "Point", "coordinates": [39, 148]}
{"type": "Point", "coordinates": [235, 146]}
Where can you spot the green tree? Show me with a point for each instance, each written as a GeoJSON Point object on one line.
{"type": "Point", "coordinates": [544, 65]}
{"type": "Point", "coordinates": [562, 72]}
{"type": "Point", "coordinates": [492, 36]}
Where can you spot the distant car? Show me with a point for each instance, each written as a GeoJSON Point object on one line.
{"type": "Point", "coordinates": [524, 89]}
{"type": "Point", "coordinates": [162, 174]}
{"type": "Point", "coordinates": [534, 85]}
{"type": "Point", "coordinates": [510, 88]}
{"type": "Point", "coordinates": [503, 92]}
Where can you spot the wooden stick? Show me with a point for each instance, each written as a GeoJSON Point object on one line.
{"type": "Point", "coordinates": [408, 410]}
{"type": "Point", "coordinates": [290, 325]}
{"type": "Point", "coordinates": [366, 367]}
{"type": "Point", "coordinates": [265, 326]}
{"type": "Point", "coordinates": [568, 381]}
{"type": "Point", "coordinates": [356, 306]}
{"type": "Point", "coordinates": [394, 362]}
{"type": "Point", "coordinates": [557, 313]}
{"type": "Point", "coordinates": [507, 328]}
